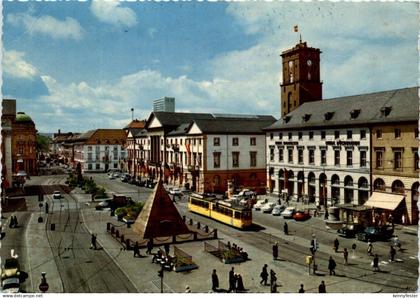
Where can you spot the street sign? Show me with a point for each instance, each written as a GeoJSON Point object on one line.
{"type": "Point", "coordinates": [43, 287]}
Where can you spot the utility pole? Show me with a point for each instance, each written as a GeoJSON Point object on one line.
{"type": "Point", "coordinates": [132, 114]}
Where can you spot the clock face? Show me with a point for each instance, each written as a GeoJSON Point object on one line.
{"type": "Point", "coordinates": [309, 62]}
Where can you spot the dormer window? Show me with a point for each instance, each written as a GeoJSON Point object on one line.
{"type": "Point", "coordinates": [328, 115]}
{"type": "Point", "coordinates": [306, 117]}
{"type": "Point", "coordinates": [355, 113]}
{"type": "Point", "coordinates": [385, 111]}
{"type": "Point", "coordinates": [286, 119]}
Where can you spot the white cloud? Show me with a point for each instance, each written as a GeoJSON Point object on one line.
{"type": "Point", "coordinates": [15, 66]}
{"type": "Point", "coordinates": [47, 25]}
{"type": "Point", "coordinates": [111, 12]}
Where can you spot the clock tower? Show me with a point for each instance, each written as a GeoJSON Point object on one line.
{"type": "Point", "coordinates": [301, 77]}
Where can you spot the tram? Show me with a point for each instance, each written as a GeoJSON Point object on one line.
{"type": "Point", "coordinates": [229, 213]}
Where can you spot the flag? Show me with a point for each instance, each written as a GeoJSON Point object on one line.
{"type": "Point", "coordinates": [296, 28]}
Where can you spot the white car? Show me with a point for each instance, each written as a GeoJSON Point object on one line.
{"type": "Point", "coordinates": [175, 192]}
{"type": "Point", "coordinates": [277, 210]}
{"type": "Point", "coordinates": [56, 195]}
{"type": "Point", "coordinates": [267, 208]}
{"type": "Point", "coordinates": [259, 205]}
{"type": "Point", "coordinates": [288, 212]}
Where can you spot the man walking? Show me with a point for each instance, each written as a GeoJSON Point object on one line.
{"type": "Point", "coordinates": [301, 290]}
{"type": "Point", "coordinates": [322, 288]}
{"type": "Point", "coordinates": [149, 247]}
{"type": "Point", "coordinates": [392, 253]}
{"type": "Point", "coordinates": [93, 242]}
{"type": "Point", "coordinates": [331, 265]}
{"type": "Point", "coordinates": [336, 244]}
{"type": "Point", "coordinates": [264, 275]}
{"type": "Point", "coordinates": [376, 263]}
{"type": "Point", "coordinates": [275, 251]}
{"type": "Point", "coordinates": [273, 281]}
{"type": "Point", "coordinates": [214, 281]}
{"type": "Point", "coordinates": [370, 248]}
{"type": "Point", "coordinates": [136, 249]}
{"type": "Point", "coordinates": [286, 228]}
{"type": "Point", "coordinates": [346, 256]}
{"type": "Point", "coordinates": [232, 280]}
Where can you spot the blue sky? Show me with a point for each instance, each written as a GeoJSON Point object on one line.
{"type": "Point", "coordinates": [84, 65]}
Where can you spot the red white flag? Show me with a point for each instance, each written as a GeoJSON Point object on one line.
{"type": "Point", "coordinates": [296, 28]}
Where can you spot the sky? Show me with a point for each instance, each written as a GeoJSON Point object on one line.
{"type": "Point", "coordinates": [77, 66]}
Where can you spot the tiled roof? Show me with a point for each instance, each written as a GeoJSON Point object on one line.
{"type": "Point", "coordinates": [103, 136]}
{"type": "Point", "coordinates": [379, 107]}
{"type": "Point", "coordinates": [136, 124]}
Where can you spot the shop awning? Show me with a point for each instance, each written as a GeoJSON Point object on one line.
{"type": "Point", "coordinates": [384, 200]}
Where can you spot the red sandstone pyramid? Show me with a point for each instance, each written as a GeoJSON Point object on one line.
{"type": "Point", "coordinates": [159, 217]}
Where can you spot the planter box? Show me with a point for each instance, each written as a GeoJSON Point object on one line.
{"type": "Point", "coordinates": [185, 268]}
{"type": "Point", "coordinates": [234, 260]}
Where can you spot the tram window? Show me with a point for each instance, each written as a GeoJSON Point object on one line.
{"type": "Point", "coordinates": [237, 214]}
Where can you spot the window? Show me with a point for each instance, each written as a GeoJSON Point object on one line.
{"type": "Point", "coordinates": [349, 135]}
{"type": "Point", "coordinates": [379, 159]}
{"type": "Point", "coordinates": [311, 135]}
{"type": "Point", "coordinates": [379, 134]}
{"type": "Point", "coordinates": [416, 133]}
{"type": "Point", "coordinates": [199, 141]}
{"type": "Point", "coordinates": [235, 159]}
{"type": "Point", "coordinates": [180, 141]}
{"type": "Point", "coordinates": [89, 166]}
{"type": "Point", "coordinates": [98, 166]}
{"type": "Point", "coordinates": [363, 159]}
{"type": "Point", "coordinates": [322, 135]}
{"type": "Point", "coordinates": [194, 158]}
{"type": "Point", "coordinates": [216, 142]}
{"type": "Point", "coordinates": [115, 165]}
{"type": "Point", "coordinates": [281, 157]}
{"type": "Point", "coordinates": [20, 150]}
{"type": "Point", "coordinates": [253, 141]}
{"type": "Point", "coordinates": [89, 156]}
{"type": "Point", "coordinates": [253, 158]}
{"type": "Point", "coordinates": [416, 160]}
{"type": "Point", "coordinates": [235, 141]}
{"type": "Point", "coordinates": [323, 157]}
{"type": "Point", "coordinates": [280, 135]}
{"type": "Point", "coordinates": [337, 157]}
{"type": "Point", "coordinates": [349, 158]}
{"type": "Point", "coordinates": [290, 155]}
{"type": "Point", "coordinates": [290, 135]}
{"type": "Point", "coordinates": [300, 135]}
{"type": "Point", "coordinates": [397, 160]}
{"type": "Point", "coordinates": [300, 156]}
{"type": "Point", "coordinates": [271, 136]}
{"type": "Point", "coordinates": [199, 159]}
{"type": "Point", "coordinates": [363, 134]}
{"type": "Point", "coordinates": [271, 154]}
{"type": "Point", "coordinates": [397, 133]}
{"type": "Point", "coordinates": [216, 159]}
{"type": "Point", "coordinates": [311, 156]}
{"type": "Point", "coordinates": [89, 148]}
{"type": "Point", "coordinates": [337, 134]}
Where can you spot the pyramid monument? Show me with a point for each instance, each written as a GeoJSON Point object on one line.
{"type": "Point", "coordinates": [159, 217]}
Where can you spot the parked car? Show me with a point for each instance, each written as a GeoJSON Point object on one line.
{"type": "Point", "coordinates": [11, 268]}
{"type": "Point", "coordinates": [103, 204]}
{"type": "Point", "coordinates": [267, 208]}
{"type": "Point", "coordinates": [125, 177]}
{"type": "Point", "coordinates": [288, 212]}
{"type": "Point", "coordinates": [301, 215]}
{"type": "Point", "coordinates": [175, 192]}
{"type": "Point", "coordinates": [350, 230]}
{"type": "Point", "coordinates": [111, 176]}
{"type": "Point", "coordinates": [278, 209]}
{"type": "Point", "coordinates": [10, 285]}
{"type": "Point", "coordinates": [259, 204]}
{"type": "Point", "coordinates": [57, 194]}
{"type": "Point", "coordinates": [376, 233]}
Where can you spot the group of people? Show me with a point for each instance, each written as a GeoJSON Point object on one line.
{"type": "Point", "coordinates": [236, 283]}
{"type": "Point", "coordinates": [237, 250]}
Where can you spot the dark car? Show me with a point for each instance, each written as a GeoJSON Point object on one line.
{"type": "Point", "coordinates": [376, 233]}
{"type": "Point", "coordinates": [350, 230]}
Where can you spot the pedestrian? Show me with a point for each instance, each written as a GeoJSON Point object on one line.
{"type": "Point", "coordinates": [187, 289]}
{"type": "Point", "coordinates": [375, 263]}
{"type": "Point", "coordinates": [301, 290]}
{"type": "Point", "coordinates": [12, 221]}
{"type": "Point", "coordinates": [264, 275]}
{"type": "Point", "coordinates": [232, 280]}
{"type": "Point", "coordinates": [275, 251]}
{"type": "Point", "coordinates": [166, 247]}
{"type": "Point", "coordinates": [46, 207]}
{"type": "Point", "coordinates": [392, 253]}
{"type": "Point", "coordinates": [149, 247]}
{"type": "Point", "coordinates": [322, 288]}
{"type": "Point", "coordinates": [331, 265]}
{"type": "Point", "coordinates": [273, 281]}
{"type": "Point", "coordinates": [240, 284]}
{"type": "Point", "coordinates": [286, 228]}
{"type": "Point", "coordinates": [346, 256]}
{"type": "Point", "coordinates": [136, 249]}
{"type": "Point", "coordinates": [336, 244]}
{"type": "Point", "coordinates": [214, 281]}
{"type": "Point", "coordinates": [16, 222]}
{"type": "Point", "coordinates": [235, 283]}
{"type": "Point", "coordinates": [396, 242]}
{"type": "Point", "coordinates": [93, 242]}
{"type": "Point", "coordinates": [403, 219]}
{"type": "Point", "coordinates": [370, 248]}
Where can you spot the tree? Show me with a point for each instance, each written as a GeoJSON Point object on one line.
{"type": "Point", "coordinates": [43, 143]}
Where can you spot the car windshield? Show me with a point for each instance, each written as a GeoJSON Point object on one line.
{"type": "Point", "coordinates": [371, 230]}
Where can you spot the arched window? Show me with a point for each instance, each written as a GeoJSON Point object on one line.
{"type": "Point", "coordinates": [379, 184]}
{"type": "Point", "coordinates": [363, 190]}
{"type": "Point", "coordinates": [398, 187]}
{"type": "Point", "coordinates": [348, 181]}
{"type": "Point", "coordinates": [348, 190]}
